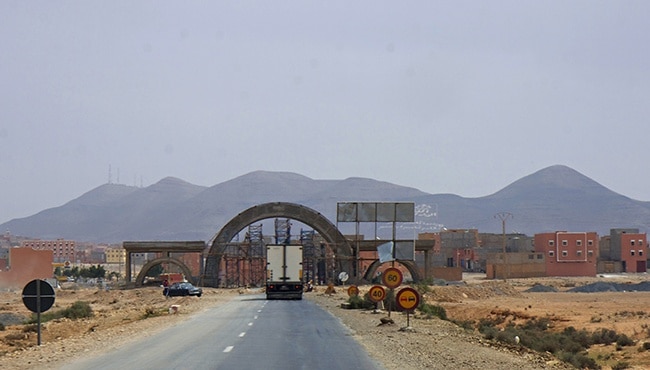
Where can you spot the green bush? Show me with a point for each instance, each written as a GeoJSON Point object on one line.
{"type": "Point", "coordinates": [623, 340]}
{"type": "Point", "coordinates": [356, 302]}
{"type": "Point", "coordinates": [569, 345]}
{"type": "Point", "coordinates": [604, 336]}
{"type": "Point", "coordinates": [430, 311]}
{"type": "Point", "coordinates": [78, 310]}
{"type": "Point", "coordinates": [579, 360]}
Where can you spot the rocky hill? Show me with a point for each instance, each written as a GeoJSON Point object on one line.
{"type": "Point", "coordinates": [554, 198]}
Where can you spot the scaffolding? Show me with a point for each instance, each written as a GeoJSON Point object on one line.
{"type": "Point", "coordinates": [309, 258]}
{"type": "Point", "coordinates": [282, 231]}
{"type": "Point", "coordinates": [245, 262]}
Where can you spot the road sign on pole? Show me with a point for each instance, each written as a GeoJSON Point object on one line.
{"type": "Point", "coordinates": [38, 296]}
{"type": "Point", "coordinates": [353, 290]}
{"type": "Point", "coordinates": [408, 299]}
{"type": "Point", "coordinates": [392, 277]}
{"type": "Point", "coordinates": [377, 293]}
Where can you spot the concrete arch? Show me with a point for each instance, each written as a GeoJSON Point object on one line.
{"type": "Point", "coordinates": [410, 266]}
{"type": "Point", "coordinates": [149, 265]}
{"type": "Point", "coordinates": [293, 211]}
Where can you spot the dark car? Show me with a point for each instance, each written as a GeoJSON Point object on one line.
{"type": "Point", "coordinates": [182, 289]}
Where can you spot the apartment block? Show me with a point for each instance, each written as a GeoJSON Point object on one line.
{"type": "Point", "coordinates": [569, 253]}
{"type": "Point", "coordinates": [62, 250]}
{"type": "Point", "coordinates": [630, 247]}
{"type": "Point", "coordinates": [115, 255]}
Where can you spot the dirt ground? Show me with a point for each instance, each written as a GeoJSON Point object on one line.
{"type": "Point", "coordinates": [119, 317]}
{"type": "Point", "coordinates": [125, 315]}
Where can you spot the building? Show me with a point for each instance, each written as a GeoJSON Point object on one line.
{"type": "Point", "coordinates": [26, 264]}
{"type": "Point", "coordinates": [629, 247]}
{"type": "Point", "coordinates": [115, 255]}
{"type": "Point", "coordinates": [62, 250]}
{"type": "Point", "coordinates": [569, 253]}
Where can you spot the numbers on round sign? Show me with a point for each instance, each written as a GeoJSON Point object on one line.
{"type": "Point", "coordinates": [392, 277]}
{"type": "Point", "coordinates": [377, 293]}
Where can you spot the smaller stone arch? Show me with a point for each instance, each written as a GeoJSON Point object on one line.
{"type": "Point", "coordinates": [410, 266]}
{"type": "Point", "coordinates": [149, 265]}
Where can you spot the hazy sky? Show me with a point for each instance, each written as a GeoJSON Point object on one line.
{"type": "Point", "coordinates": [447, 97]}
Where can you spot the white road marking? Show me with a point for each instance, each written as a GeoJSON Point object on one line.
{"type": "Point", "coordinates": [258, 311]}
{"type": "Point", "coordinates": [255, 317]}
{"type": "Point", "coordinates": [250, 324]}
{"type": "Point", "coordinates": [241, 335]}
{"type": "Point", "coordinates": [228, 349]}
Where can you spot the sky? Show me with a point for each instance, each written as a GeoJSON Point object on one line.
{"type": "Point", "coordinates": [461, 97]}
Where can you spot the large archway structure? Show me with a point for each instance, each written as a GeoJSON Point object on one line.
{"type": "Point", "coordinates": [293, 211]}
{"type": "Point", "coordinates": [170, 260]}
{"type": "Point", "coordinates": [165, 248]}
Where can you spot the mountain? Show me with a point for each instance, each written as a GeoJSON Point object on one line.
{"type": "Point", "coordinates": [554, 198]}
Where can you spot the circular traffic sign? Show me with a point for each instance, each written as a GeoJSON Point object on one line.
{"type": "Point", "coordinates": [392, 277]}
{"type": "Point", "coordinates": [377, 293]}
{"type": "Point", "coordinates": [343, 276]}
{"type": "Point", "coordinates": [408, 299]}
{"type": "Point", "coordinates": [353, 290]}
{"type": "Point", "coordinates": [38, 296]}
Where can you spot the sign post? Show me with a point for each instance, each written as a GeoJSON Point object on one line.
{"type": "Point", "coordinates": [377, 294]}
{"type": "Point", "coordinates": [392, 278]}
{"type": "Point", "coordinates": [38, 296]}
{"type": "Point", "coordinates": [408, 299]}
{"type": "Point", "coordinates": [353, 291]}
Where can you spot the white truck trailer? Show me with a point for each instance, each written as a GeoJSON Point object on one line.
{"type": "Point", "coordinates": [284, 272]}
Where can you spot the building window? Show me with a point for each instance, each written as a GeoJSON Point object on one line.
{"type": "Point", "coordinates": [632, 252]}
{"type": "Point", "coordinates": [565, 243]}
{"type": "Point", "coordinates": [640, 242]}
{"type": "Point", "coordinates": [632, 242]}
{"type": "Point", "coordinates": [531, 256]}
{"type": "Point", "coordinates": [551, 243]}
{"type": "Point", "coordinates": [551, 253]}
{"type": "Point", "coordinates": [640, 252]}
{"type": "Point", "coordinates": [565, 253]}
{"type": "Point", "coordinates": [590, 253]}
{"type": "Point", "coordinates": [540, 256]}
{"type": "Point", "coordinates": [579, 252]}
{"type": "Point", "coordinates": [590, 242]}
{"type": "Point", "coordinates": [578, 242]}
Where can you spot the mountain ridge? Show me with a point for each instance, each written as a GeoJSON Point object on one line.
{"type": "Point", "coordinates": [554, 198]}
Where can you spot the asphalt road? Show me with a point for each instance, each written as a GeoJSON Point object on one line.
{"type": "Point", "coordinates": [247, 333]}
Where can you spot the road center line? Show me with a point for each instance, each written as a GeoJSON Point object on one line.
{"type": "Point", "coordinates": [250, 324]}
{"type": "Point", "coordinates": [228, 349]}
{"type": "Point", "coordinates": [241, 335]}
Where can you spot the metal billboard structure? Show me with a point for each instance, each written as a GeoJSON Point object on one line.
{"type": "Point", "coordinates": [380, 212]}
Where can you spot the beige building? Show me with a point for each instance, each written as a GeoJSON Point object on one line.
{"type": "Point", "coordinates": [115, 255]}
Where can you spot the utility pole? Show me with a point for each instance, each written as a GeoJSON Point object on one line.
{"type": "Point", "coordinates": [503, 216]}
